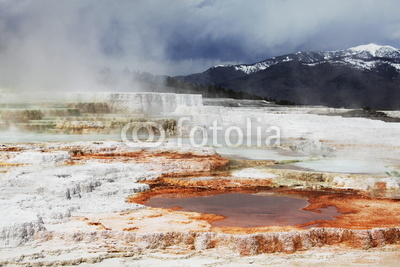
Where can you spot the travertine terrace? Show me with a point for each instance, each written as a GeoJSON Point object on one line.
{"type": "Point", "coordinates": [83, 202]}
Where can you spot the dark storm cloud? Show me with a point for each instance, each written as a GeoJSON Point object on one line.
{"type": "Point", "coordinates": [224, 49]}
{"type": "Point", "coordinates": [58, 44]}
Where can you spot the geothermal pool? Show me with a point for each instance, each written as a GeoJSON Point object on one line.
{"type": "Point", "coordinates": [247, 210]}
{"type": "Point", "coordinates": [346, 165]}
{"type": "Point", "coordinates": [254, 153]}
{"type": "Point", "coordinates": [340, 165]}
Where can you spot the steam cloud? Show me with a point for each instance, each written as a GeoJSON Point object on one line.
{"type": "Point", "coordinates": [62, 45]}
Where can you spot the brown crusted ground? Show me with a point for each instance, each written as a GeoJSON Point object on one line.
{"type": "Point", "coordinates": [10, 164]}
{"type": "Point", "coordinates": [141, 154]}
{"type": "Point", "coordinates": [174, 187]}
{"type": "Point", "coordinates": [148, 156]}
{"type": "Point", "coordinates": [361, 212]}
{"type": "Point", "coordinates": [176, 164]}
{"type": "Point", "coordinates": [219, 183]}
{"type": "Point", "coordinates": [243, 163]}
{"type": "Point", "coordinates": [214, 162]}
{"type": "Point", "coordinates": [10, 148]}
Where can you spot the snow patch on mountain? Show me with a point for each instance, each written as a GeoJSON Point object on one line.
{"type": "Point", "coordinates": [360, 64]}
{"type": "Point", "coordinates": [376, 50]}
{"type": "Point", "coordinates": [248, 69]}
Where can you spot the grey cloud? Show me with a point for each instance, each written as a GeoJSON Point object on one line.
{"type": "Point", "coordinates": [62, 44]}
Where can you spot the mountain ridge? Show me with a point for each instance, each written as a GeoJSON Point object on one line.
{"type": "Point", "coordinates": [365, 75]}
{"type": "Point", "coordinates": [368, 51]}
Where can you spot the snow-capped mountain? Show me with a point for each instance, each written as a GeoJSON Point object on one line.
{"type": "Point", "coordinates": [337, 78]}
{"type": "Point", "coordinates": [374, 50]}
{"type": "Point", "coordinates": [362, 57]}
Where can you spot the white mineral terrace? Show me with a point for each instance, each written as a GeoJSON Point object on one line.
{"type": "Point", "coordinates": [119, 102]}
{"type": "Point", "coordinates": [65, 202]}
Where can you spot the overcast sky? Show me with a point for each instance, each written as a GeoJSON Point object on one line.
{"type": "Point", "coordinates": [60, 43]}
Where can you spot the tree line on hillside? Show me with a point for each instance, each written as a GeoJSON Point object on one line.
{"type": "Point", "coordinates": [215, 91]}
{"type": "Point", "coordinates": [143, 81]}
